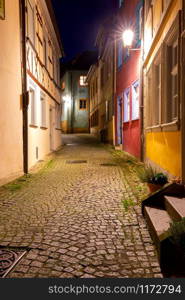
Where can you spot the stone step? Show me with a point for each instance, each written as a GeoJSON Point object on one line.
{"type": "Point", "coordinates": [175, 207]}
{"type": "Point", "coordinates": [158, 221]}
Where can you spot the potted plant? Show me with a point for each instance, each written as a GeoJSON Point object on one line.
{"type": "Point", "coordinates": [155, 180]}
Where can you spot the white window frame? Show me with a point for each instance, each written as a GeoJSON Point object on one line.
{"type": "Point", "coordinates": [135, 101]}
{"type": "Point", "coordinates": [43, 110]}
{"type": "Point", "coordinates": [126, 112]}
{"type": "Point", "coordinates": [32, 103]}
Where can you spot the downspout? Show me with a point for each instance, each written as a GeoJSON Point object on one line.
{"type": "Point", "coordinates": [114, 90]}
{"type": "Point", "coordinates": [25, 94]}
{"type": "Point", "coordinates": [141, 108]}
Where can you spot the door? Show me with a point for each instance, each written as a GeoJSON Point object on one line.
{"type": "Point", "coordinates": [119, 120]}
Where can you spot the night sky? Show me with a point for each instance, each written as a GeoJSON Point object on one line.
{"type": "Point", "coordinates": [78, 22]}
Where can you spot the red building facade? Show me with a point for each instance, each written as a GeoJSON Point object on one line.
{"type": "Point", "coordinates": [127, 116]}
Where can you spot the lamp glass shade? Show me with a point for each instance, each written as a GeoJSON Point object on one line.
{"type": "Point", "coordinates": [128, 37]}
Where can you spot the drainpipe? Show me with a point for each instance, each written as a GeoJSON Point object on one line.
{"type": "Point", "coordinates": [141, 108]}
{"type": "Point", "coordinates": [25, 94]}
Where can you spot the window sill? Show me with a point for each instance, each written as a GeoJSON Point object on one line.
{"type": "Point", "coordinates": [33, 126]}
{"type": "Point", "coordinates": [173, 126]}
{"type": "Point", "coordinates": [43, 127]}
{"type": "Point", "coordinates": [58, 129]}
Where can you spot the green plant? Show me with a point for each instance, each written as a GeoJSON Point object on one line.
{"type": "Point", "coordinates": [127, 203]}
{"type": "Point", "coordinates": [150, 175]}
{"type": "Point", "coordinates": [177, 233]}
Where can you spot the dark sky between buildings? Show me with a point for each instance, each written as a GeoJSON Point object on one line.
{"type": "Point", "coordinates": [78, 22]}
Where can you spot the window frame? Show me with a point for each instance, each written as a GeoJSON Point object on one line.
{"type": "Point", "coordinates": [84, 101]}
{"type": "Point", "coordinates": [126, 104]}
{"type": "Point", "coordinates": [43, 106]}
{"type": "Point", "coordinates": [82, 82]}
{"type": "Point", "coordinates": [33, 106]}
{"type": "Point", "coordinates": [136, 117]}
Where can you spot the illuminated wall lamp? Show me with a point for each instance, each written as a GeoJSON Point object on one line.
{"type": "Point", "coordinates": [128, 37]}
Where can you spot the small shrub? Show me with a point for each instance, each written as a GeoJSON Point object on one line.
{"type": "Point", "coordinates": [177, 232]}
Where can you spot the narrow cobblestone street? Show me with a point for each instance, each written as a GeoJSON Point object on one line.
{"type": "Point", "coordinates": [70, 218]}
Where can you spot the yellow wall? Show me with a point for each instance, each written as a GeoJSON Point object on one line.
{"type": "Point", "coordinates": [164, 149]}
{"type": "Point", "coordinates": [11, 145]}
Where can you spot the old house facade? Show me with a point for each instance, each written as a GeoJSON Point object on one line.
{"type": "Point", "coordinates": [128, 63]}
{"type": "Point", "coordinates": [11, 144]}
{"type": "Point", "coordinates": [30, 122]}
{"type": "Point", "coordinates": [75, 94]}
{"type": "Point", "coordinates": [163, 102]}
{"type": "Point", "coordinates": [101, 85]}
{"type": "Point", "coordinates": [43, 51]}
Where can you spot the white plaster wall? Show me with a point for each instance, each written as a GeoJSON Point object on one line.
{"type": "Point", "coordinates": [38, 137]}
{"type": "Point", "coordinates": [11, 141]}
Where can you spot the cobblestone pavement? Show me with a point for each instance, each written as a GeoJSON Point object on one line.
{"type": "Point", "coordinates": [71, 219]}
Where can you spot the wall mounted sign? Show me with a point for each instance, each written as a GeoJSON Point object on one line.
{"type": "Point", "coordinates": [2, 9]}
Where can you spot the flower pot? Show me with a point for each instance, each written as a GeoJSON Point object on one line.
{"type": "Point", "coordinates": [154, 187]}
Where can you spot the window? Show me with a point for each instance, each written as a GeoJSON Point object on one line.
{"type": "Point", "coordinates": [120, 3]}
{"type": "Point", "coordinates": [58, 116]}
{"type": "Point", "coordinates": [126, 105]}
{"type": "Point", "coordinates": [39, 35]}
{"type": "Point", "coordinates": [45, 53]}
{"type": "Point", "coordinates": [32, 107]}
{"type": "Point", "coordinates": [165, 4]}
{"type": "Point", "coordinates": [148, 4]}
{"type": "Point", "coordinates": [30, 23]}
{"type": "Point", "coordinates": [154, 92]}
{"type": "Point", "coordinates": [83, 104]}
{"type": "Point", "coordinates": [120, 53]}
{"type": "Point", "coordinates": [43, 110]}
{"type": "Point", "coordinates": [172, 81]}
{"type": "Point", "coordinates": [162, 84]}
{"type": "Point", "coordinates": [135, 101]}
{"type": "Point", "coordinates": [63, 85]}
{"type": "Point", "coordinates": [94, 119]}
{"type": "Point", "coordinates": [82, 80]}
{"type": "Point", "coordinates": [50, 58]}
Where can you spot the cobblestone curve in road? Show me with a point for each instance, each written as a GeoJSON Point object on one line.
{"type": "Point", "coordinates": [71, 218]}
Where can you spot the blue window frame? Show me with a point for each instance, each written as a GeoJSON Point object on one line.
{"type": "Point", "coordinates": [120, 53]}
{"type": "Point", "coordinates": [139, 20]}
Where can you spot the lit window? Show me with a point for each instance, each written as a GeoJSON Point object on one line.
{"type": "Point", "coordinates": [63, 85]}
{"type": "Point", "coordinates": [83, 104]}
{"type": "Point", "coordinates": [83, 80]}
